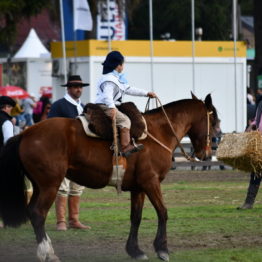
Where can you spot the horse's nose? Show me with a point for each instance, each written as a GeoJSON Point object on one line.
{"type": "Point", "coordinates": [207, 158]}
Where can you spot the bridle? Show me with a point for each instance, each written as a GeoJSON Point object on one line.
{"type": "Point", "coordinates": [208, 141]}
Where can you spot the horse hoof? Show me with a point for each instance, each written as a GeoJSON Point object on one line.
{"type": "Point", "coordinates": [142, 257]}
{"type": "Point", "coordinates": [163, 255]}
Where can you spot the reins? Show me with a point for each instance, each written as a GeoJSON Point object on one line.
{"type": "Point", "coordinates": [115, 146]}
{"type": "Point", "coordinates": [188, 157]}
{"type": "Point", "coordinates": [208, 130]}
{"type": "Point", "coordinates": [160, 143]}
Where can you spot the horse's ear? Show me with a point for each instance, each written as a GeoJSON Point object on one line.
{"type": "Point", "coordinates": [193, 96]}
{"type": "Point", "coordinates": [208, 102]}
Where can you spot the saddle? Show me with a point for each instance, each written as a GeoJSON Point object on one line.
{"type": "Point", "coordinates": [101, 125]}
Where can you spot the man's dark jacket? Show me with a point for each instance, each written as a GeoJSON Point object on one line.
{"type": "Point", "coordinates": [63, 108]}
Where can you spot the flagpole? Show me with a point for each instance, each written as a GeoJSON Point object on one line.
{"type": "Point", "coordinates": [75, 51]}
{"type": "Point", "coordinates": [63, 38]}
{"type": "Point", "coordinates": [193, 43]}
{"type": "Point", "coordinates": [151, 43]}
{"type": "Point", "coordinates": [235, 54]}
{"type": "Point", "coordinates": [108, 28]}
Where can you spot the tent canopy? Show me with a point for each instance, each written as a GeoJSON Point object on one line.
{"type": "Point", "coordinates": [32, 47]}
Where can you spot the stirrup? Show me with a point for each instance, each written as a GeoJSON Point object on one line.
{"type": "Point", "coordinates": [136, 148]}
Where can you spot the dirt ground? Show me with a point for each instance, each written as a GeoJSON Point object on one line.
{"type": "Point", "coordinates": [25, 250]}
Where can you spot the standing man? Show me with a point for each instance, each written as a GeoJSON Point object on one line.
{"type": "Point", "coordinates": [255, 179]}
{"type": "Point", "coordinates": [70, 107]}
{"type": "Point", "coordinates": [29, 104]}
{"type": "Point", "coordinates": [6, 125]}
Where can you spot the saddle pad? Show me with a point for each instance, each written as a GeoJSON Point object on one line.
{"type": "Point", "coordinates": [85, 123]}
{"type": "Point", "coordinates": [88, 132]}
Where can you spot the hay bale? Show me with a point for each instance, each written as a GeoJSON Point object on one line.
{"type": "Point", "coordinates": [242, 151]}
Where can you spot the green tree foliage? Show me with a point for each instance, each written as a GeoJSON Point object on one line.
{"type": "Point", "coordinates": [246, 7]}
{"type": "Point", "coordinates": [174, 16]}
{"type": "Point", "coordinates": [11, 13]}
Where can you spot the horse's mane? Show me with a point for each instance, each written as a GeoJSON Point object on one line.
{"type": "Point", "coordinates": [180, 103]}
{"type": "Point", "coordinates": [170, 105]}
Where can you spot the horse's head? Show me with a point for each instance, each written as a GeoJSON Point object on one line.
{"type": "Point", "coordinates": [205, 124]}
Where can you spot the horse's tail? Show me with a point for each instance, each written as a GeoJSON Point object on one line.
{"type": "Point", "coordinates": [13, 199]}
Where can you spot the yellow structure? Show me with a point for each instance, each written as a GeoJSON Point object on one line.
{"type": "Point", "coordinates": [142, 48]}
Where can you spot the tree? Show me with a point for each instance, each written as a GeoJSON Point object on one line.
{"type": "Point", "coordinates": [11, 13]}
{"type": "Point", "coordinates": [174, 16]}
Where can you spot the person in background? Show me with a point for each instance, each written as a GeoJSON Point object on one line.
{"type": "Point", "coordinates": [254, 182]}
{"type": "Point", "coordinates": [29, 104]}
{"type": "Point", "coordinates": [251, 107]}
{"type": "Point", "coordinates": [258, 96]}
{"type": "Point", "coordinates": [18, 114]}
{"type": "Point", "coordinates": [42, 109]}
{"type": "Point", "coordinates": [69, 106]}
{"type": "Point", "coordinates": [6, 124]}
{"type": "Point", "coordinates": [7, 127]}
{"type": "Point", "coordinates": [111, 88]}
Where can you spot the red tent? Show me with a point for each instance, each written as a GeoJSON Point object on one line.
{"type": "Point", "coordinates": [13, 91]}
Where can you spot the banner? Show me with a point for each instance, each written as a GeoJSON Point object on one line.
{"type": "Point", "coordinates": [82, 15]}
{"type": "Point", "coordinates": [115, 21]}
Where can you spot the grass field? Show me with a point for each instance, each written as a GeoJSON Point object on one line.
{"type": "Point", "coordinates": [203, 224]}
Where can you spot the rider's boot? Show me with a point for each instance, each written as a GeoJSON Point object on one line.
{"type": "Point", "coordinates": [127, 147]}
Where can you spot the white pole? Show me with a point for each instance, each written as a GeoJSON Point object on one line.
{"type": "Point", "coordinates": [108, 27]}
{"type": "Point", "coordinates": [235, 56]}
{"type": "Point", "coordinates": [75, 47]}
{"type": "Point", "coordinates": [193, 43]}
{"type": "Point", "coordinates": [63, 38]}
{"type": "Point", "coordinates": [151, 44]}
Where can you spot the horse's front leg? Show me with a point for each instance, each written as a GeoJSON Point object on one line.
{"type": "Point", "coordinates": [154, 194]}
{"type": "Point", "coordinates": [132, 248]}
{"type": "Point", "coordinates": [38, 209]}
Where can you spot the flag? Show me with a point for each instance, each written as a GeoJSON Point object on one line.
{"type": "Point", "coordinates": [82, 15]}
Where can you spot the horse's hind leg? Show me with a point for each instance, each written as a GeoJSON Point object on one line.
{"type": "Point", "coordinates": [38, 208]}
{"type": "Point", "coordinates": [132, 248]}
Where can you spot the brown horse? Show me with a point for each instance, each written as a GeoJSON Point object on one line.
{"type": "Point", "coordinates": [58, 147]}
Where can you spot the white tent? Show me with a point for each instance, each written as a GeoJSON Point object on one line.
{"type": "Point", "coordinates": [32, 47]}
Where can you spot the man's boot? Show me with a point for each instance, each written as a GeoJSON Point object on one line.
{"type": "Point", "coordinates": [251, 196]}
{"type": "Point", "coordinates": [60, 207]}
{"type": "Point", "coordinates": [73, 205]}
{"type": "Point", "coordinates": [127, 148]}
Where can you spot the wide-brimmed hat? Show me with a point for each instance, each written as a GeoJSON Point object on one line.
{"type": "Point", "coordinates": [75, 80]}
{"type": "Point", "coordinates": [7, 100]}
{"type": "Point", "coordinates": [113, 59]}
